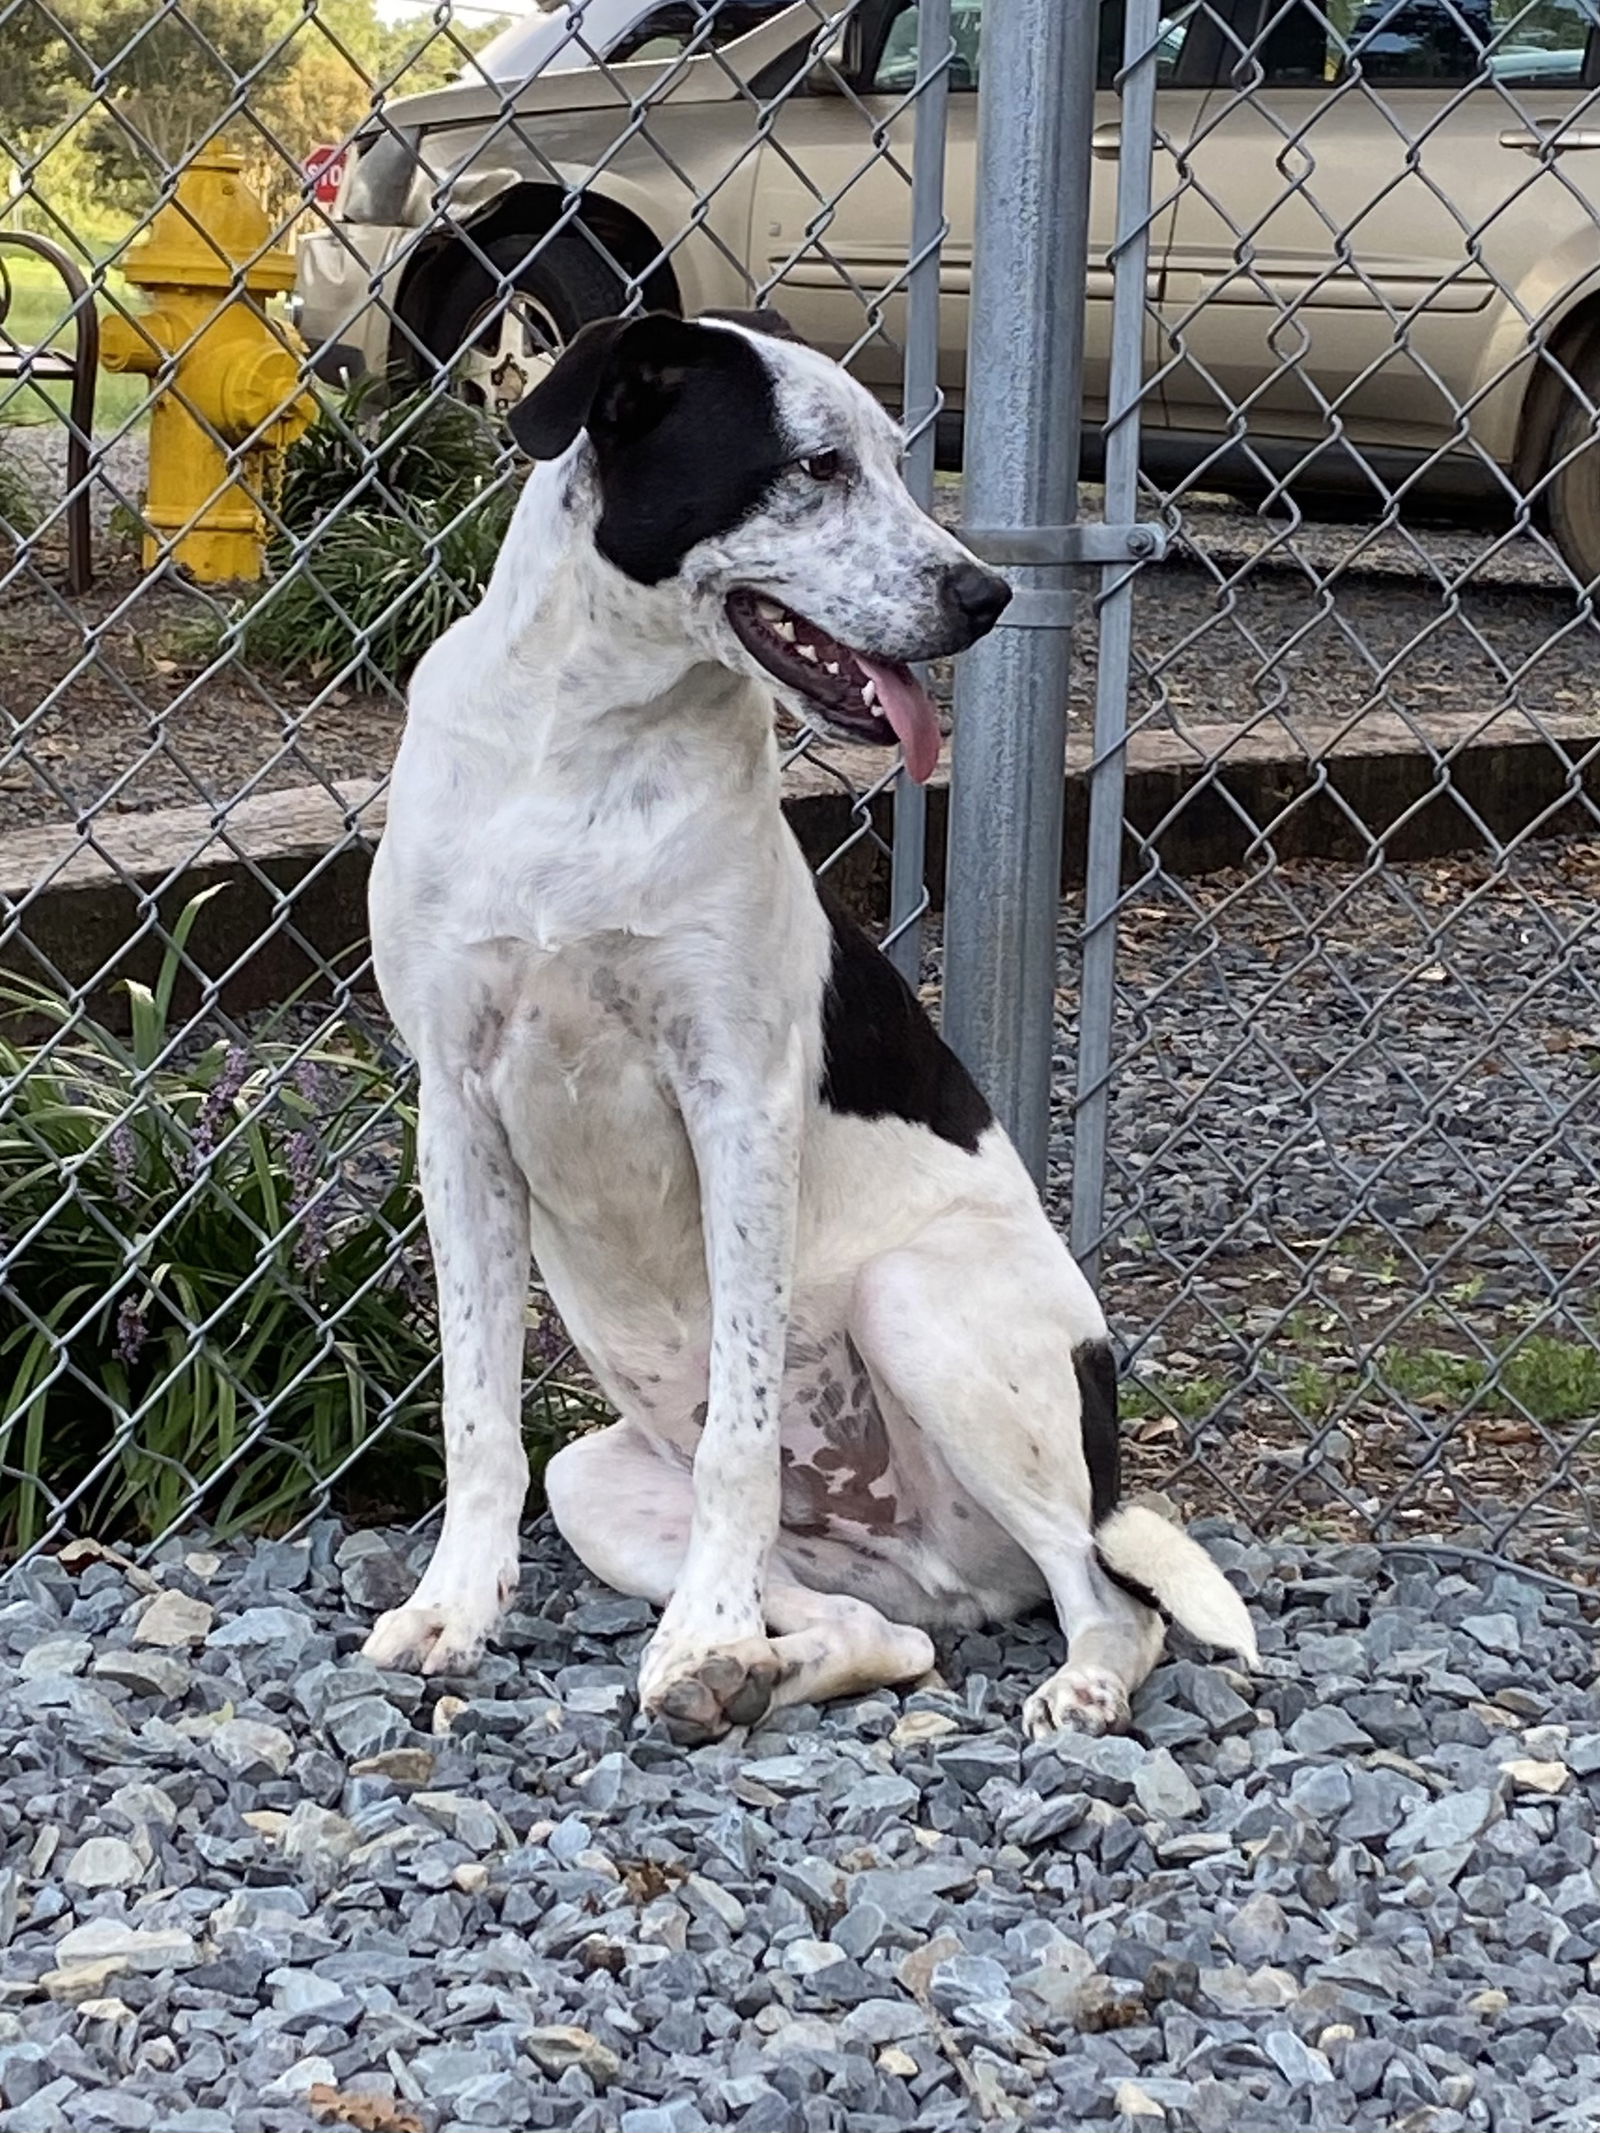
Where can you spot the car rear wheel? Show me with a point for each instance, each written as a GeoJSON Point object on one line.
{"type": "Point", "coordinates": [1575, 485]}
{"type": "Point", "coordinates": [499, 342]}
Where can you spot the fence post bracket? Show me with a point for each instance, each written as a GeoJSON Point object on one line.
{"type": "Point", "coordinates": [1087, 544]}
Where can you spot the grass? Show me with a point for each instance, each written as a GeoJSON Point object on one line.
{"type": "Point", "coordinates": [395, 511]}
{"type": "Point", "coordinates": [1190, 1399]}
{"type": "Point", "coordinates": [1319, 1365]}
{"type": "Point", "coordinates": [19, 502]}
{"type": "Point", "coordinates": [214, 1297]}
{"type": "Point", "coordinates": [38, 313]}
{"type": "Point", "coordinates": [1551, 1379]}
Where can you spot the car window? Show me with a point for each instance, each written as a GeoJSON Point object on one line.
{"type": "Point", "coordinates": [1425, 42]}
{"type": "Point", "coordinates": [897, 64]}
{"type": "Point", "coordinates": [896, 70]}
{"type": "Point", "coordinates": [1178, 17]}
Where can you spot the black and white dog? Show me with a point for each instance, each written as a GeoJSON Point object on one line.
{"type": "Point", "coordinates": [864, 1389]}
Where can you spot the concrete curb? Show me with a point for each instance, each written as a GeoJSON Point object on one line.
{"type": "Point", "coordinates": [85, 905]}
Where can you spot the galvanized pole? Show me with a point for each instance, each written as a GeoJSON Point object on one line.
{"type": "Point", "coordinates": [1097, 998]}
{"type": "Point", "coordinates": [908, 894]}
{"type": "Point", "coordinates": [1024, 390]}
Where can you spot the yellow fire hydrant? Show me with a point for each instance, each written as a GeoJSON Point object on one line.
{"type": "Point", "coordinates": [236, 375]}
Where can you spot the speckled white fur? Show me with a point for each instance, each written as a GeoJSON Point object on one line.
{"type": "Point", "coordinates": [593, 927]}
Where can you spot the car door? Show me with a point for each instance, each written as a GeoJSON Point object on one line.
{"type": "Point", "coordinates": [832, 217]}
{"type": "Point", "coordinates": [1354, 212]}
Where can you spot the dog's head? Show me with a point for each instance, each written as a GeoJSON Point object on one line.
{"type": "Point", "coordinates": [752, 477]}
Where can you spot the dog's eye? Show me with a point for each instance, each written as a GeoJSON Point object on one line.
{"type": "Point", "coordinates": [823, 466]}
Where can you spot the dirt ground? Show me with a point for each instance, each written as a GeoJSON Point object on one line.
{"type": "Point", "coordinates": [1248, 621]}
{"type": "Point", "coordinates": [111, 712]}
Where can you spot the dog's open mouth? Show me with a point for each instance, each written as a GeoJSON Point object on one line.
{"type": "Point", "coordinates": [868, 699]}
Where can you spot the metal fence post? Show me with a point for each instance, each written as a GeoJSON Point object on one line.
{"type": "Point", "coordinates": [1097, 995]}
{"type": "Point", "coordinates": [1025, 370]}
{"type": "Point", "coordinates": [908, 894]}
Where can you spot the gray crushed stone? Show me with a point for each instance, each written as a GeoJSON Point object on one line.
{"type": "Point", "coordinates": [240, 1865]}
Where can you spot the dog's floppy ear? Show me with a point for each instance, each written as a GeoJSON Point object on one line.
{"type": "Point", "coordinates": [762, 320]}
{"type": "Point", "coordinates": [545, 422]}
{"type": "Point", "coordinates": [616, 379]}
{"type": "Point", "coordinates": [644, 372]}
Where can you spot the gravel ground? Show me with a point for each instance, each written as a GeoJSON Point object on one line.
{"type": "Point", "coordinates": [1418, 1041]}
{"type": "Point", "coordinates": [249, 1880]}
{"type": "Point", "coordinates": [1354, 1152]}
{"type": "Point", "coordinates": [1248, 619]}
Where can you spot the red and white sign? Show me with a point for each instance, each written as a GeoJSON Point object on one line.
{"type": "Point", "coordinates": [326, 165]}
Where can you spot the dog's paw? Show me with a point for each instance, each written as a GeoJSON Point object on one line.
{"type": "Point", "coordinates": [443, 1636]}
{"type": "Point", "coordinates": [703, 1697]}
{"type": "Point", "coordinates": [429, 1640]}
{"type": "Point", "coordinates": [1079, 1699]}
{"type": "Point", "coordinates": [444, 1626]}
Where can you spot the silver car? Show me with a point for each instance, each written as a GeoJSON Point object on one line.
{"type": "Point", "coordinates": [1375, 262]}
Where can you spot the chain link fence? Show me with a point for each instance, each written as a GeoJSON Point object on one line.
{"type": "Point", "coordinates": [216, 1294]}
{"type": "Point", "coordinates": [1325, 1014]}
{"type": "Point", "coordinates": [1334, 1141]}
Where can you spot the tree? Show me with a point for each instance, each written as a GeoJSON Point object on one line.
{"type": "Point", "coordinates": [31, 82]}
{"type": "Point", "coordinates": [344, 64]}
{"type": "Point", "coordinates": [169, 79]}
{"type": "Point", "coordinates": [121, 92]}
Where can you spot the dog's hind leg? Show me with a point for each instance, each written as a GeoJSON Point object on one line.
{"type": "Point", "coordinates": [625, 1509]}
{"type": "Point", "coordinates": [972, 1329]}
{"type": "Point", "coordinates": [477, 1211]}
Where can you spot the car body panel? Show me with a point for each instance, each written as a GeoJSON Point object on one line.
{"type": "Point", "coordinates": [1345, 271]}
{"type": "Point", "coordinates": [556, 41]}
{"type": "Point", "coordinates": [345, 282]}
{"type": "Point", "coordinates": [706, 78]}
{"type": "Point", "coordinates": [1385, 255]}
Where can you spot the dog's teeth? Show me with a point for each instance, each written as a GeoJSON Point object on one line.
{"type": "Point", "coordinates": [785, 629]}
{"type": "Point", "coordinates": [807, 651]}
{"type": "Point", "coordinates": [869, 693]}
{"type": "Point", "coordinates": [769, 611]}
{"type": "Point", "coordinates": [831, 665]}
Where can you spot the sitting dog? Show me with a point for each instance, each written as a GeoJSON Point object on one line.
{"type": "Point", "coordinates": [864, 1390]}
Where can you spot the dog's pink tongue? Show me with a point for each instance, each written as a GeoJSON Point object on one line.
{"type": "Point", "coordinates": [910, 710]}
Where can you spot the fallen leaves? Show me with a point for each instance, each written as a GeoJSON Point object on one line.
{"type": "Point", "coordinates": [369, 2114]}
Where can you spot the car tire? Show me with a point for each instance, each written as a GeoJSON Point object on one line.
{"type": "Point", "coordinates": [1574, 493]}
{"type": "Point", "coordinates": [497, 347]}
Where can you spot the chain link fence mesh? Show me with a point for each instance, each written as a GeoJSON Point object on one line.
{"type": "Point", "coordinates": [1345, 1209]}
{"type": "Point", "coordinates": [1349, 1217]}
{"type": "Point", "coordinates": [216, 1297]}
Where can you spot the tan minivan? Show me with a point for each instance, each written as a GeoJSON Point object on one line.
{"type": "Point", "coordinates": [1375, 264]}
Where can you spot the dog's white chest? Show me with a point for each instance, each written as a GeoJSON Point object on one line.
{"type": "Point", "coordinates": [575, 1073]}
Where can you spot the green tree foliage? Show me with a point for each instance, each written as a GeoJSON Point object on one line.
{"type": "Point", "coordinates": [101, 99]}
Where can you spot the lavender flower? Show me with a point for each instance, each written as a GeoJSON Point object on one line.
{"type": "Point", "coordinates": [308, 1083]}
{"type": "Point", "coordinates": [550, 1338]}
{"type": "Point", "coordinates": [311, 1246]}
{"type": "Point", "coordinates": [123, 1160]}
{"type": "Point", "coordinates": [131, 1329]}
{"type": "Point", "coordinates": [219, 1102]}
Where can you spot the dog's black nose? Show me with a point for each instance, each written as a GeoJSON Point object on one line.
{"type": "Point", "coordinates": [978, 597]}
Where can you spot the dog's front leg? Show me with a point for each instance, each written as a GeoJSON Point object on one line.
{"type": "Point", "coordinates": [477, 1208]}
{"type": "Point", "coordinates": [709, 1665]}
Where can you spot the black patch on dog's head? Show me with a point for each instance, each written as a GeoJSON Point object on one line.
{"type": "Point", "coordinates": [882, 1057]}
{"type": "Point", "coordinates": [684, 424]}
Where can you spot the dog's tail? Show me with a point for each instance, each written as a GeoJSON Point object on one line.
{"type": "Point", "coordinates": [1138, 1545]}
